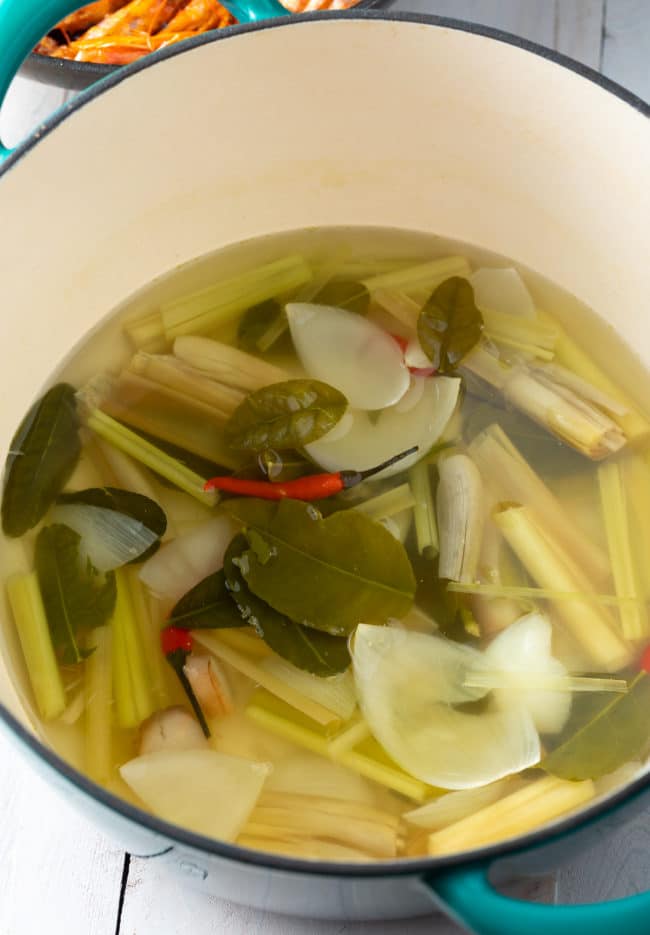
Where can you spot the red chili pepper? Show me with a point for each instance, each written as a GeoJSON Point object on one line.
{"type": "Point", "coordinates": [173, 638]}
{"type": "Point", "coordinates": [644, 665]}
{"type": "Point", "coordinates": [312, 487]}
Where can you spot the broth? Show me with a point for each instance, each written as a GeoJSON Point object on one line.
{"type": "Point", "coordinates": [342, 658]}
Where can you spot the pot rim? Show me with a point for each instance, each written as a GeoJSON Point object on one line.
{"type": "Point", "coordinates": [403, 866]}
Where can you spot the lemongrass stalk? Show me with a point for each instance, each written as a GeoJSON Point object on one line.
{"type": "Point", "coordinates": [209, 309]}
{"type": "Point", "coordinates": [367, 759]}
{"type": "Point", "coordinates": [74, 708]}
{"type": "Point", "coordinates": [636, 476]}
{"type": "Point", "coordinates": [266, 679]}
{"type": "Point", "coordinates": [530, 352]}
{"type": "Point", "coordinates": [143, 451]}
{"type": "Point", "coordinates": [451, 807]}
{"type": "Point", "coordinates": [227, 364]}
{"type": "Point", "coordinates": [125, 472]}
{"type": "Point", "coordinates": [547, 562]}
{"type": "Point", "coordinates": [347, 739]}
{"type": "Point", "coordinates": [512, 478]}
{"type": "Point", "coordinates": [524, 593]}
{"type": "Point", "coordinates": [330, 806]}
{"type": "Point", "coordinates": [309, 850]}
{"type": "Point", "coordinates": [388, 503]}
{"type": "Point", "coordinates": [543, 681]}
{"type": "Point", "coordinates": [529, 332]}
{"type": "Point", "coordinates": [147, 332]}
{"type": "Point", "coordinates": [422, 277]}
{"type": "Point", "coordinates": [170, 416]}
{"type": "Point", "coordinates": [460, 513]}
{"type": "Point", "coordinates": [515, 814]}
{"type": "Point", "coordinates": [98, 747]}
{"type": "Point", "coordinates": [360, 268]}
{"type": "Point", "coordinates": [572, 381]}
{"type": "Point", "coordinates": [634, 423]}
{"type": "Point", "coordinates": [616, 514]}
{"type": "Point", "coordinates": [424, 513]}
{"type": "Point", "coordinates": [149, 633]}
{"type": "Point", "coordinates": [176, 375]}
{"type": "Point", "coordinates": [40, 660]}
{"type": "Point", "coordinates": [402, 307]}
{"type": "Point", "coordinates": [248, 643]}
{"type": "Point", "coordinates": [303, 818]}
{"type": "Point", "coordinates": [335, 693]}
{"type": "Point", "coordinates": [133, 693]}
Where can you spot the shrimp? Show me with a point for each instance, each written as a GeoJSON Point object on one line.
{"type": "Point", "coordinates": [89, 16]}
{"type": "Point", "coordinates": [199, 16]}
{"type": "Point", "coordinates": [139, 16]}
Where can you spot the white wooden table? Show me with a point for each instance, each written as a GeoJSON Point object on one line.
{"type": "Point", "coordinates": [61, 877]}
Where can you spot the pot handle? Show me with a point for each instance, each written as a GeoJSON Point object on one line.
{"type": "Point", "coordinates": [474, 902]}
{"type": "Point", "coordinates": [24, 22]}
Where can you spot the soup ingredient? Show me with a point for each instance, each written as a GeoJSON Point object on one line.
{"type": "Point", "coordinates": [176, 376]}
{"type": "Point", "coordinates": [335, 692]}
{"type": "Point", "coordinates": [502, 465]}
{"type": "Point", "coordinates": [177, 646]}
{"type": "Point", "coordinates": [408, 684]}
{"type": "Point", "coordinates": [205, 311]}
{"type": "Point", "coordinates": [281, 817]}
{"type": "Point", "coordinates": [364, 755]}
{"type": "Point", "coordinates": [171, 729]}
{"type": "Point", "coordinates": [618, 732]}
{"type": "Point", "coordinates": [417, 421]}
{"type": "Point", "coordinates": [449, 324]}
{"type": "Point", "coordinates": [312, 487]}
{"type": "Point", "coordinates": [181, 564]}
{"type": "Point", "coordinates": [543, 397]}
{"type": "Point", "coordinates": [352, 353]}
{"type": "Point", "coordinates": [252, 668]}
{"type": "Point", "coordinates": [31, 622]}
{"type": "Point", "coordinates": [316, 652]}
{"type": "Point", "coordinates": [285, 415]}
{"type": "Point", "coordinates": [75, 597]}
{"type": "Point", "coordinates": [453, 806]}
{"type": "Point", "coordinates": [419, 279]}
{"type": "Point", "coordinates": [551, 566]}
{"type": "Point", "coordinates": [502, 290]}
{"type": "Point", "coordinates": [520, 654]}
{"type": "Point", "coordinates": [42, 455]}
{"type": "Point", "coordinates": [426, 528]}
{"type": "Point", "coordinates": [224, 789]}
{"type": "Point", "coordinates": [524, 810]}
{"type": "Point", "coordinates": [209, 684]}
{"type": "Point", "coordinates": [98, 704]}
{"type": "Point", "coordinates": [208, 605]}
{"type": "Point", "coordinates": [617, 513]}
{"type": "Point", "coordinates": [132, 685]}
{"type": "Point", "coordinates": [227, 365]}
{"type": "Point", "coordinates": [460, 513]}
{"type": "Point", "coordinates": [108, 539]}
{"type": "Point", "coordinates": [340, 570]}
{"type": "Point", "coordinates": [150, 455]}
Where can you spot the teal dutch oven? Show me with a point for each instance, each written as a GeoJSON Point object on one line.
{"type": "Point", "coordinates": [360, 118]}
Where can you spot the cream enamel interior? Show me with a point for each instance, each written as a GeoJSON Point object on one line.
{"type": "Point", "coordinates": [361, 122]}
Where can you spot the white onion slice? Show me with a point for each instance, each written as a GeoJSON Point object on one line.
{"type": "Point", "coordinates": [180, 564]}
{"type": "Point", "coordinates": [370, 441]}
{"type": "Point", "coordinates": [208, 792]}
{"type": "Point", "coordinates": [406, 683]}
{"type": "Point", "coordinates": [521, 650]}
{"type": "Point", "coordinates": [109, 538]}
{"type": "Point", "coordinates": [350, 353]}
{"type": "Point", "coordinates": [502, 290]}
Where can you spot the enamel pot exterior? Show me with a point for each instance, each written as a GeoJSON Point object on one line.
{"type": "Point", "coordinates": [356, 120]}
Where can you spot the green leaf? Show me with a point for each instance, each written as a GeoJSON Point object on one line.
{"type": "Point", "coordinates": [42, 456]}
{"type": "Point", "coordinates": [347, 294]}
{"type": "Point", "coordinates": [285, 415]}
{"type": "Point", "coordinates": [255, 322]}
{"type": "Point", "coordinates": [450, 324]}
{"type": "Point", "coordinates": [324, 573]}
{"type": "Point", "coordinates": [141, 508]}
{"type": "Point", "coordinates": [76, 599]}
{"type": "Point", "coordinates": [207, 606]}
{"type": "Point", "coordinates": [306, 648]}
{"type": "Point", "coordinates": [617, 733]}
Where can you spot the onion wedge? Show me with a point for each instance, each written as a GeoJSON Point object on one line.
{"type": "Point", "coordinates": [407, 684]}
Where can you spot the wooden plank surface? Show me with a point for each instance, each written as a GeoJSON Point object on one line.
{"type": "Point", "coordinates": [57, 874]}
